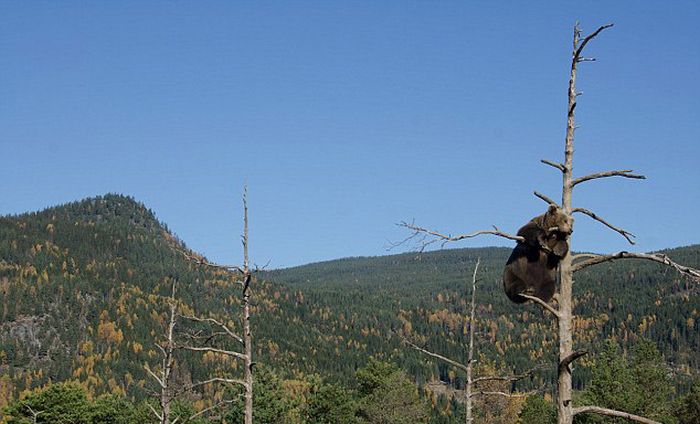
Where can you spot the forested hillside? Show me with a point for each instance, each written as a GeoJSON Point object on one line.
{"type": "Point", "coordinates": [84, 288]}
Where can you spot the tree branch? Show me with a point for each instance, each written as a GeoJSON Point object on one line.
{"type": "Point", "coordinates": [624, 233]}
{"type": "Point", "coordinates": [571, 358]}
{"type": "Point", "coordinates": [612, 413]}
{"type": "Point", "coordinates": [199, 260]}
{"type": "Point", "coordinates": [545, 198]}
{"type": "Point", "coordinates": [542, 303]}
{"type": "Point", "coordinates": [435, 355]}
{"type": "Point", "coordinates": [654, 257]}
{"type": "Point", "coordinates": [585, 41]}
{"type": "Point", "coordinates": [216, 322]}
{"type": "Point", "coordinates": [193, 386]}
{"type": "Point", "coordinates": [510, 378]}
{"type": "Point", "coordinates": [210, 408]}
{"type": "Point", "coordinates": [623, 173]}
{"type": "Point", "coordinates": [215, 350]}
{"type": "Point", "coordinates": [148, 370]}
{"type": "Point", "coordinates": [557, 165]}
{"type": "Point", "coordinates": [504, 394]}
{"type": "Point", "coordinates": [160, 417]}
{"type": "Point", "coordinates": [424, 235]}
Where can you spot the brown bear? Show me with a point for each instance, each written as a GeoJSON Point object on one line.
{"type": "Point", "coordinates": [532, 266]}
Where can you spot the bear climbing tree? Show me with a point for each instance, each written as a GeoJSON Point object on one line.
{"type": "Point", "coordinates": [562, 308]}
{"type": "Point", "coordinates": [532, 267]}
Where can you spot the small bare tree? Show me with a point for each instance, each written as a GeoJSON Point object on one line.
{"type": "Point", "coordinates": [563, 309]}
{"type": "Point", "coordinates": [470, 391]}
{"type": "Point", "coordinates": [163, 376]}
{"type": "Point", "coordinates": [203, 341]}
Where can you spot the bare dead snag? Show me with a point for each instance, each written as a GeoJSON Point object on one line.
{"type": "Point", "coordinates": [469, 391]}
{"type": "Point", "coordinates": [164, 376]}
{"type": "Point", "coordinates": [569, 263]}
{"type": "Point", "coordinates": [243, 276]}
{"type": "Point", "coordinates": [567, 268]}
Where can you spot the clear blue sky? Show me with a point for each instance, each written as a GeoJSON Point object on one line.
{"type": "Point", "coordinates": [348, 117]}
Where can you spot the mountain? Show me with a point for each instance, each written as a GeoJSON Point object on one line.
{"type": "Point", "coordinates": [84, 288]}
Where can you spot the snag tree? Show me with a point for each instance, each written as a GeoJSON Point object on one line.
{"type": "Point", "coordinates": [471, 389]}
{"type": "Point", "coordinates": [562, 308]}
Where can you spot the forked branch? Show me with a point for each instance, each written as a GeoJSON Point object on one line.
{"type": "Point", "coordinates": [626, 234]}
{"type": "Point", "coordinates": [625, 173]}
{"type": "Point", "coordinates": [577, 54]}
{"type": "Point", "coordinates": [227, 331]}
{"type": "Point", "coordinates": [612, 413]}
{"type": "Point", "coordinates": [654, 257]}
{"type": "Point", "coordinates": [427, 237]}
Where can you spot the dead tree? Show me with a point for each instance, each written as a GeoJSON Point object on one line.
{"type": "Point", "coordinates": [203, 341]}
{"type": "Point", "coordinates": [243, 276]}
{"type": "Point", "coordinates": [470, 391]}
{"type": "Point", "coordinates": [563, 310]}
{"type": "Point", "coordinates": [164, 375]}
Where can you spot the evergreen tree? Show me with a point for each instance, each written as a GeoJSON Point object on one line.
{"type": "Point", "coordinates": [687, 408]}
{"type": "Point", "coordinates": [536, 410]}
{"type": "Point", "coordinates": [639, 385]}
{"type": "Point", "coordinates": [330, 404]}
{"type": "Point", "coordinates": [389, 396]}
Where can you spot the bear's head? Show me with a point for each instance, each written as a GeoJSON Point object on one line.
{"type": "Point", "coordinates": [556, 217]}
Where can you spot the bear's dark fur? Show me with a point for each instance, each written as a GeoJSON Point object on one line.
{"type": "Point", "coordinates": [532, 266]}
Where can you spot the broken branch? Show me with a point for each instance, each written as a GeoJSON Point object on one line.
{"type": "Point", "coordinates": [571, 358]}
{"type": "Point", "coordinates": [545, 198]}
{"type": "Point", "coordinates": [557, 165]}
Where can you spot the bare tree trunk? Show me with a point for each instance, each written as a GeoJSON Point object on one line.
{"type": "Point", "coordinates": [168, 359]}
{"type": "Point", "coordinates": [166, 391]}
{"type": "Point", "coordinates": [565, 316]}
{"type": "Point", "coordinates": [470, 355]}
{"type": "Point", "coordinates": [247, 335]}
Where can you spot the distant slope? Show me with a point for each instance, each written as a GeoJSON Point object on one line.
{"type": "Point", "coordinates": [623, 300]}
{"type": "Point", "coordinates": [83, 288]}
